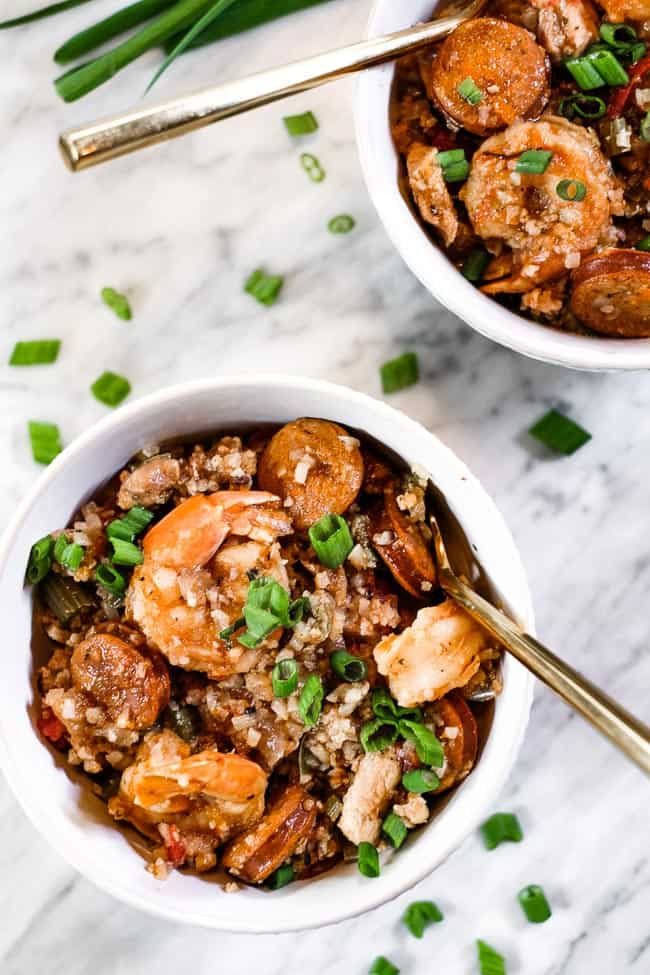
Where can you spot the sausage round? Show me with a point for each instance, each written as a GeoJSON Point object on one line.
{"type": "Point", "coordinates": [405, 552]}
{"type": "Point", "coordinates": [504, 61]}
{"type": "Point", "coordinates": [611, 293]}
{"type": "Point", "coordinates": [453, 712]}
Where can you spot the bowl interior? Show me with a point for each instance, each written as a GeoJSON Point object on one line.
{"type": "Point", "coordinates": [75, 824]}
{"type": "Point", "coordinates": [379, 162]}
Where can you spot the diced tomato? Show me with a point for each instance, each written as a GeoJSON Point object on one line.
{"type": "Point", "coordinates": [620, 96]}
{"type": "Point", "coordinates": [51, 728]}
{"type": "Point", "coordinates": [175, 847]}
{"type": "Point", "coordinates": [441, 138]}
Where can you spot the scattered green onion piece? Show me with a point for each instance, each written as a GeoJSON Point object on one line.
{"type": "Point", "coordinates": [383, 706]}
{"type": "Point", "coordinates": [111, 388]}
{"type": "Point", "coordinates": [69, 554]}
{"type": "Point", "coordinates": [311, 700]}
{"type": "Point", "coordinates": [111, 580]}
{"type": "Point", "coordinates": [420, 915]}
{"type": "Point", "coordinates": [331, 540]}
{"type": "Point", "coordinates": [501, 828]}
{"type": "Point", "coordinates": [534, 904]}
{"type": "Point", "coordinates": [455, 167]}
{"type": "Point", "coordinates": [559, 433]}
{"type": "Point", "coordinates": [395, 829]}
{"type": "Point", "coordinates": [59, 546]}
{"type": "Point", "coordinates": [312, 167]}
{"type": "Point", "coordinates": [534, 161]}
{"type": "Point", "coordinates": [643, 244]}
{"type": "Point", "coordinates": [382, 966]}
{"type": "Point", "coordinates": [572, 190]}
{"type": "Point", "coordinates": [230, 630]}
{"type": "Point", "coordinates": [475, 265]}
{"type": "Point", "coordinates": [608, 67]}
{"type": "Point", "coordinates": [125, 553]}
{"type": "Point", "coordinates": [584, 73]}
{"type": "Point", "coordinates": [40, 352]}
{"type": "Point", "coordinates": [490, 962]}
{"type": "Point", "coordinates": [399, 373]}
{"type": "Point", "coordinates": [40, 559]}
{"type": "Point", "coordinates": [348, 667]}
{"type": "Point", "coordinates": [265, 288]}
{"type": "Point", "coordinates": [469, 91]}
{"type": "Point", "coordinates": [644, 128]}
{"type": "Point", "coordinates": [618, 36]}
{"type": "Point", "coordinates": [49, 11]}
{"type": "Point", "coordinates": [128, 527]}
{"type": "Point", "coordinates": [45, 440]}
{"type": "Point", "coordinates": [284, 677]}
{"type": "Point", "coordinates": [368, 862]}
{"type": "Point", "coordinates": [65, 597]}
{"type": "Point", "coordinates": [420, 780]}
{"type": "Point", "coordinates": [377, 735]}
{"type": "Point", "coordinates": [267, 608]}
{"type": "Point", "coordinates": [428, 748]}
{"type": "Point", "coordinates": [342, 224]}
{"type": "Point", "coordinates": [281, 877]}
{"type": "Point", "coordinates": [634, 53]}
{"type": "Point", "coordinates": [303, 124]}
{"type": "Point", "coordinates": [585, 106]}
{"type": "Point", "coordinates": [117, 302]}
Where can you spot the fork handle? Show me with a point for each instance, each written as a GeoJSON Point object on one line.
{"type": "Point", "coordinates": [625, 731]}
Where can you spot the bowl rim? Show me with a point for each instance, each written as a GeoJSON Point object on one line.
{"type": "Point", "coordinates": [91, 867]}
{"type": "Point", "coordinates": [431, 266]}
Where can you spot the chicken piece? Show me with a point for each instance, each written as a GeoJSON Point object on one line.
{"type": "Point", "coordinates": [365, 802]}
{"type": "Point", "coordinates": [565, 28]}
{"type": "Point", "coordinates": [150, 483]}
{"type": "Point", "coordinates": [430, 191]}
{"type": "Point", "coordinates": [439, 651]}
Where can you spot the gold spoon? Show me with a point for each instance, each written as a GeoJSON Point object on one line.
{"type": "Point", "coordinates": [107, 139]}
{"type": "Point", "coordinates": [625, 731]}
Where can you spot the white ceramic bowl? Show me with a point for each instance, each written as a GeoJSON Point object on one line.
{"type": "Point", "coordinates": [379, 162]}
{"type": "Point", "coordinates": [76, 824]}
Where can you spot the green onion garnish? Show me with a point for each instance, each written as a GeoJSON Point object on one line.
{"type": "Point", "coordinates": [383, 706]}
{"type": "Point", "coordinates": [311, 700]}
{"type": "Point", "coordinates": [420, 915]}
{"type": "Point", "coordinates": [109, 577]}
{"type": "Point", "coordinates": [368, 861]}
{"type": "Point", "coordinates": [534, 161]}
{"type": "Point", "coordinates": [348, 667]}
{"type": "Point", "coordinates": [230, 630]}
{"type": "Point", "coordinates": [469, 91]}
{"type": "Point", "coordinates": [455, 167]}
{"type": "Point", "coordinates": [643, 244]}
{"type": "Point", "coordinates": [45, 440]}
{"type": "Point", "coordinates": [125, 553]}
{"type": "Point", "coordinates": [342, 224]}
{"type": "Point", "coordinates": [265, 288]}
{"type": "Point", "coordinates": [395, 829]}
{"type": "Point", "coordinates": [331, 540]}
{"type": "Point", "coordinates": [399, 373]}
{"type": "Point", "coordinates": [490, 962]}
{"type": "Point", "coordinates": [68, 554]}
{"type": "Point", "coordinates": [48, 11]}
{"type": "Point", "coordinates": [281, 877]}
{"type": "Point", "coordinates": [284, 677]}
{"type": "Point", "coordinates": [584, 73]}
{"type": "Point", "coordinates": [377, 735]}
{"type": "Point", "coordinates": [585, 106]}
{"type": "Point", "coordinates": [501, 828]}
{"type": "Point", "coordinates": [303, 124]}
{"type": "Point", "coordinates": [111, 388]}
{"type": "Point", "coordinates": [40, 559]}
{"type": "Point", "coordinates": [382, 966]}
{"type": "Point", "coordinates": [312, 167]}
{"type": "Point", "coordinates": [428, 748]}
{"type": "Point", "coordinates": [420, 780]}
{"type": "Point", "coordinates": [608, 67]}
{"type": "Point", "coordinates": [267, 608]}
{"type": "Point", "coordinates": [618, 36]}
{"type": "Point", "coordinates": [634, 53]}
{"type": "Point", "coordinates": [475, 264]}
{"type": "Point", "coordinates": [40, 352]}
{"type": "Point", "coordinates": [559, 433]}
{"type": "Point", "coordinates": [573, 190]}
{"type": "Point", "coordinates": [534, 904]}
{"type": "Point", "coordinates": [128, 527]}
{"type": "Point", "coordinates": [117, 302]}
{"type": "Point", "coordinates": [644, 128]}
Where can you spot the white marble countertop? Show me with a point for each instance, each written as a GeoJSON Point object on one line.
{"type": "Point", "coordinates": [180, 228]}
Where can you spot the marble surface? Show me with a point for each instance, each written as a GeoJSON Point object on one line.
{"type": "Point", "coordinates": [180, 228]}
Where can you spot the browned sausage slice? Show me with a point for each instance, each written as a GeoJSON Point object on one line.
{"type": "Point", "coordinates": [402, 547]}
{"type": "Point", "coordinates": [611, 293]}
{"type": "Point", "coordinates": [316, 466]}
{"type": "Point", "coordinates": [507, 65]}
{"type": "Point", "coordinates": [457, 731]}
{"type": "Point", "coordinates": [256, 853]}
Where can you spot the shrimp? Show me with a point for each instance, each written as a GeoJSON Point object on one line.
{"type": "Point", "coordinates": [365, 802]}
{"type": "Point", "coordinates": [547, 233]}
{"type": "Point", "coordinates": [188, 588]}
{"type": "Point", "coordinates": [430, 191]}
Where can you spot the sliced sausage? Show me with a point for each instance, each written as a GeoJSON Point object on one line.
{"type": "Point", "coordinates": [150, 483]}
{"type": "Point", "coordinates": [315, 466]}
{"type": "Point", "coordinates": [618, 10]}
{"type": "Point", "coordinates": [430, 191]}
{"type": "Point", "coordinates": [611, 293]}
{"type": "Point", "coordinates": [256, 853]}
{"type": "Point", "coordinates": [457, 731]}
{"type": "Point", "coordinates": [505, 63]}
{"type": "Point", "coordinates": [401, 546]}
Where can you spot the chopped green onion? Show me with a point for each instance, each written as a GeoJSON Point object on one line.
{"type": "Point", "coordinates": [281, 877]}
{"type": "Point", "coordinates": [68, 554]}
{"type": "Point", "coordinates": [420, 915]}
{"type": "Point", "coordinates": [303, 124]}
{"type": "Point", "coordinates": [559, 433]}
{"type": "Point", "coordinates": [501, 828]}
{"type": "Point", "coordinates": [383, 706]}
{"type": "Point", "coordinates": [312, 167]}
{"type": "Point", "coordinates": [40, 352]}
{"type": "Point", "coordinates": [45, 440]}
{"type": "Point", "coordinates": [65, 597]}
{"type": "Point", "coordinates": [475, 264]}
{"type": "Point", "coordinates": [284, 677]}
{"type": "Point", "coordinates": [534, 161]}
{"type": "Point", "coordinates": [40, 559]}
{"type": "Point", "coordinates": [490, 962]}
{"type": "Point", "coordinates": [428, 748]}
{"type": "Point", "coordinates": [643, 244]}
{"type": "Point", "coordinates": [117, 302]}
{"type": "Point", "coordinates": [644, 128]}
{"type": "Point", "coordinates": [573, 190]}
{"type": "Point", "coordinates": [111, 388]}
{"type": "Point", "coordinates": [368, 861]}
{"type": "Point", "coordinates": [608, 67]}
{"type": "Point", "coordinates": [634, 53]}
{"type": "Point", "coordinates": [395, 829]}
{"type": "Point", "coordinates": [586, 106]}
{"type": "Point", "coordinates": [331, 540]}
{"type": "Point", "coordinates": [267, 608]}
{"type": "Point", "coordinates": [382, 966]}
{"type": "Point", "coordinates": [109, 577]}
{"type": "Point", "coordinates": [469, 91]}
{"type": "Point", "coordinates": [347, 666]}
{"type": "Point", "coordinates": [420, 780]}
{"type": "Point", "coordinates": [128, 527]}
{"type": "Point", "coordinates": [230, 630]}
{"type": "Point", "coordinates": [455, 167]}
{"type": "Point", "coordinates": [311, 700]}
{"type": "Point", "coordinates": [618, 36]}
{"type": "Point", "coordinates": [265, 288]}
{"type": "Point", "coordinates": [125, 553]}
{"type": "Point", "coordinates": [584, 73]}
{"type": "Point", "coordinates": [378, 734]}
{"type": "Point", "coordinates": [399, 373]}
{"type": "Point", "coordinates": [534, 904]}
{"type": "Point", "coordinates": [342, 224]}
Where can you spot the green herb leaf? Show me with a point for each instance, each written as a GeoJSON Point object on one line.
{"type": "Point", "coordinates": [348, 667]}
{"type": "Point", "coordinates": [368, 861]}
{"type": "Point", "coordinates": [37, 353]}
{"type": "Point", "coordinates": [420, 915]}
{"type": "Point", "coordinates": [311, 700]}
{"type": "Point", "coordinates": [109, 577]}
{"type": "Point", "coordinates": [428, 748]}
{"type": "Point", "coordinates": [49, 11]}
{"type": "Point", "coordinates": [40, 559]}
{"type": "Point", "coordinates": [267, 608]}
{"type": "Point", "coordinates": [399, 373]}
{"type": "Point", "coordinates": [559, 433]}
{"type": "Point", "coordinates": [303, 124]}
{"type": "Point", "coordinates": [395, 829]}
{"type": "Point", "coordinates": [117, 302]}
{"type": "Point", "coordinates": [469, 91]}
{"type": "Point", "coordinates": [534, 161]}
{"type": "Point", "coordinates": [420, 780]}
{"type": "Point", "coordinates": [193, 32]}
{"type": "Point", "coordinates": [265, 288]}
{"type": "Point", "coordinates": [331, 540]}
{"type": "Point", "coordinates": [501, 828]}
{"type": "Point", "coordinates": [130, 526]}
{"type": "Point", "coordinates": [377, 735]}
{"type": "Point", "coordinates": [383, 706]}
{"type": "Point", "coordinates": [111, 388]}
{"type": "Point", "coordinates": [284, 677]}
{"type": "Point", "coordinates": [45, 440]}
